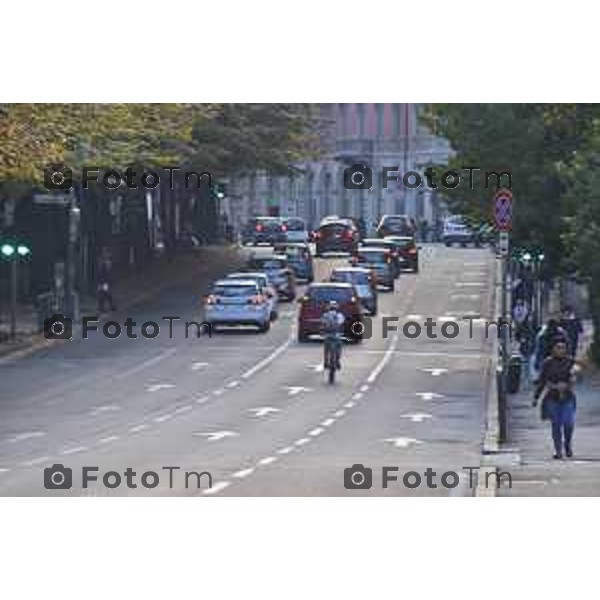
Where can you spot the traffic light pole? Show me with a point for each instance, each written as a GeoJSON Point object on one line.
{"type": "Point", "coordinates": [13, 298]}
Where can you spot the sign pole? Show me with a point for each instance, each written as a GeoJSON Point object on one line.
{"type": "Point", "coordinates": [13, 298]}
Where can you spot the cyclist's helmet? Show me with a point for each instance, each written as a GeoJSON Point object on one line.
{"type": "Point", "coordinates": [332, 305]}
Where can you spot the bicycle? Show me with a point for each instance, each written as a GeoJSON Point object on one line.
{"type": "Point", "coordinates": [331, 356]}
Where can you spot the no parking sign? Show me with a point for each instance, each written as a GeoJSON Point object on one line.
{"type": "Point", "coordinates": [503, 209]}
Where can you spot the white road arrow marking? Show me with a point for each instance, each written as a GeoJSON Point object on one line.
{"type": "Point", "coordinates": [156, 387]}
{"type": "Point", "coordinates": [429, 395]}
{"type": "Point", "coordinates": [263, 411]}
{"type": "Point", "coordinates": [295, 390]}
{"type": "Point", "coordinates": [417, 417]}
{"type": "Point", "coordinates": [435, 372]}
{"type": "Point", "coordinates": [196, 366]}
{"type": "Point", "coordinates": [215, 436]}
{"type": "Point", "coordinates": [402, 442]}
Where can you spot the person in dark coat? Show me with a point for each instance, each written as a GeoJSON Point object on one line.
{"type": "Point", "coordinates": [571, 323]}
{"type": "Point", "coordinates": [104, 289]}
{"type": "Point", "coordinates": [558, 403]}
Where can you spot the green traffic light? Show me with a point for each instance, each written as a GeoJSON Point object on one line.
{"type": "Point", "coordinates": [7, 250]}
{"type": "Point", "coordinates": [23, 250]}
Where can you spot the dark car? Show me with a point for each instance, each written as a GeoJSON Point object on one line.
{"type": "Point", "coordinates": [316, 300]}
{"type": "Point", "coordinates": [299, 259]}
{"type": "Point", "coordinates": [395, 225]}
{"type": "Point", "coordinates": [278, 272]}
{"type": "Point", "coordinates": [408, 251]}
{"type": "Point", "coordinates": [389, 245]}
{"type": "Point", "coordinates": [264, 230]}
{"type": "Point", "coordinates": [336, 236]}
{"type": "Point", "coordinates": [380, 261]}
{"type": "Point", "coordinates": [363, 281]}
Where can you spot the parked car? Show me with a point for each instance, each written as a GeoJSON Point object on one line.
{"type": "Point", "coordinates": [279, 273]}
{"type": "Point", "coordinates": [378, 260]}
{"type": "Point", "coordinates": [408, 251]}
{"type": "Point", "coordinates": [315, 301]}
{"type": "Point", "coordinates": [299, 259]}
{"type": "Point", "coordinates": [265, 287]}
{"type": "Point", "coordinates": [264, 230]}
{"type": "Point", "coordinates": [389, 245]}
{"type": "Point", "coordinates": [237, 302]}
{"type": "Point", "coordinates": [340, 235]}
{"type": "Point", "coordinates": [456, 231]}
{"type": "Point", "coordinates": [364, 282]}
{"type": "Point", "coordinates": [295, 229]}
{"type": "Point", "coordinates": [395, 225]}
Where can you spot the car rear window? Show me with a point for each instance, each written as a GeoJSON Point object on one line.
{"type": "Point", "coordinates": [349, 277]}
{"type": "Point", "coordinates": [372, 257]}
{"type": "Point", "coordinates": [268, 263]}
{"type": "Point", "coordinates": [335, 227]}
{"type": "Point", "coordinates": [325, 294]}
{"type": "Point", "coordinates": [295, 224]}
{"type": "Point", "coordinates": [267, 223]}
{"type": "Point", "coordinates": [404, 243]}
{"type": "Point", "coordinates": [230, 291]}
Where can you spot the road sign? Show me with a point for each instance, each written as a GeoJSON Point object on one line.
{"type": "Point", "coordinates": [54, 199]}
{"type": "Point", "coordinates": [503, 209]}
{"type": "Point", "coordinates": [503, 243]}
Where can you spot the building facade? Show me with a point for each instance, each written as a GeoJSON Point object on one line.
{"type": "Point", "coordinates": [377, 135]}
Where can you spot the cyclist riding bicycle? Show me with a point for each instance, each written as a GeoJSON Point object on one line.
{"type": "Point", "coordinates": [332, 325]}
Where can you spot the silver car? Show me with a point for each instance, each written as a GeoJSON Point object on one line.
{"type": "Point", "coordinates": [237, 302]}
{"type": "Point", "coordinates": [266, 287]}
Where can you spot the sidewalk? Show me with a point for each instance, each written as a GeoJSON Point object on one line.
{"type": "Point", "coordinates": [131, 290]}
{"type": "Point", "coordinates": [534, 471]}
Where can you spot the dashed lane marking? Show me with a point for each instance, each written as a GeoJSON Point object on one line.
{"type": "Point", "coordinates": [183, 409]}
{"type": "Point", "coordinates": [267, 461]}
{"type": "Point", "coordinates": [285, 450]}
{"type": "Point", "coordinates": [383, 362]}
{"type": "Point", "coordinates": [263, 363]}
{"type": "Point", "coordinates": [73, 450]}
{"type": "Point", "coordinates": [364, 388]}
{"type": "Point", "coordinates": [339, 413]}
{"type": "Point", "coordinates": [137, 428]}
{"type": "Point", "coordinates": [302, 441]}
{"type": "Point", "coordinates": [108, 439]}
{"type": "Point", "coordinates": [202, 400]}
{"type": "Point", "coordinates": [350, 404]}
{"type": "Point", "coordinates": [157, 387]}
{"type": "Point", "coordinates": [328, 422]}
{"type": "Point", "coordinates": [232, 384]}
{"type": "Point", "coordinates": [163, 418]}
{"type": "Point", "coordinates": [29, 435]}
{"type": "Point", "coordinates": [316, 431]}
{"type": "Point", "coordinates": [218, 487]}
{"type": "Point", "coordinates": [243, 473]}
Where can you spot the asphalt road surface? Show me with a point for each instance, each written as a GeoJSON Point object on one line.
{"type": "Point", "coordinates": [255, 410]}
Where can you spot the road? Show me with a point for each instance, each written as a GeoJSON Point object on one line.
{"type": "Point", "coordinates": [255, 410]}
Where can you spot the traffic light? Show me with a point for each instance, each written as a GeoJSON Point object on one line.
{"type": "Point", "coordinates": [14, 249]}
{"type": "Point", "coordinates": [219, 190]}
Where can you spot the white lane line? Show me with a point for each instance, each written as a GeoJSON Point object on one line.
{"type": "Point", "coordinates": [402, 442]}
{"type": "Point", "coordinates": [263, 363]}
{"type": "Point", "coordinates": [447, 318]}
{"type": "Point", "coordinates": [417, 417]}
{"type": "Point", "coordinates": [218, 487]}
{"type": "Point", "coordinates": [202, 400]}
{"type": "Point", "coordinates": [263, 411]}
{"type": "Point", "coordinates": [147, 363]}
{"type": "Point", "coordinates": [302, 441]}
{"type": "Point", "coordinates": [196, 366]}
{"type": "Point", "coordinates": [339, 413]}
{"type": "Point", "coordinates": [243, 473]}
{"type": "Point", "coordinates": [157, 387]}
{"type": "Point", "coordinates": [357, 396]}
{"type": "Point", "coordinates": [285, 450]}
{"type": "Point", "coordinates": [316, 431]}
{"type": "Point", "coordinates": [102, 409]}
{"type": "Point", "coordinates": [435, 372]}
{"type": "Point", "coordinates": [386, 357]}
{"type": "Point", "coordinates": [29, 435]}
{"type": "Point", "coordinates": [219, 392]}
{"type": "Point", "coordinates": [36, 461]}
{"type": "Point", "coordinates": [364, 388]}
{"type": "Point", "coordinates": [4, 470]}
{"type": "Point", "coordinates": [456, 296]}
{"type": "Point", "coordinates": [295, 390]}
{"type": "Point", "coordinates": [232, 384]}
{"type": "Point", "coordinates": [267, 461]}
{"type": "Point", "coordinates": [183, 409]}
{"type": "Point", "coordinates": [350, 404]}
{"type": "Point", "coordinates": [317, 368]}
{"type": "Point", "coordinates": [108, 439]}
{"type": "Point", "coordinates": [327, 422]}
{"type": "Point", "coordinates": [74, 450]}
{"type": "Point", "coordinates": [469, 284]}
{"type": "Point", "coordinates": [429, 395]}
{"type": "Point", "coordinates": [137, 428]}
{"type": "Point", "coordinates": [163, 418]}
{"type": "Point", "coordinates": [415, 353]}
{"type": "Point", "coordinates": [215, 436]}
{"type": "Point", "coordinates": [414, 317]}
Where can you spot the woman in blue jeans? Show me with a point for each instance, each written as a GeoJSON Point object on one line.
{"type": "Point", "coordinates": [558, 402]}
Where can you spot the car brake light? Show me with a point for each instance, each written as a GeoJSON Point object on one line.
{"type": "Point", "coordinates": [317, 234]}
{"type": "Point", "coordinates": [412, 250]}
{"type": "Point", "coordinates": [256, 299]}
{"type": "Point", "coordinates": [259, 228]}
{"type": "Point", "coordinates": [284, 228]}
{"type": "Point", "coordinates": [211, 299]}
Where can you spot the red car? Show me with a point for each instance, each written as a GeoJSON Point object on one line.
{"type": "Point", "coordinates": [315, 302]}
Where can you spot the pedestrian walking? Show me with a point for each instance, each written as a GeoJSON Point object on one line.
{"type": "Point", "coordinates": [558, 402]}
{"type": "Point", "coordinates": [104, 288]}
{"type": "Point", "coordinates": [571, 323]}
{"type": "Point", "coordinates": [548, 335]}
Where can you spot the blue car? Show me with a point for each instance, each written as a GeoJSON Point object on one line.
{"type": "Point", "coordinates": [299, 259]}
